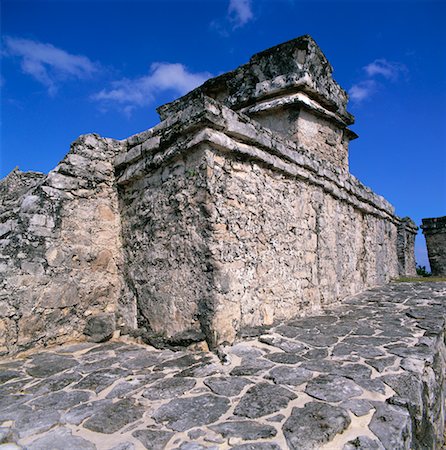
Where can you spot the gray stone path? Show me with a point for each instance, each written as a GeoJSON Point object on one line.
{"type": "Point", "coordinates": [368, 374]}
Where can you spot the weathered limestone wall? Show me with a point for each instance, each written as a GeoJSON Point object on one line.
{"type": "Point", "coordinates": [237, 210]}
{"type": "Point", "coordinates": [434, 231]}
{"type": "Point", "coordinates": [405, 244]}
{"type": "Point", "coordinates": [60, 250]}
{"type": "Point", "coordinates": [239, 227]}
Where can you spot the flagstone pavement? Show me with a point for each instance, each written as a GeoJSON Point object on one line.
{"type": "Point", "coordinates": [366, 374]}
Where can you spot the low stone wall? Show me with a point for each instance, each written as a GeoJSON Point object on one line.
{"type": "Point", "coordinates": [60, 248]}
{"type": "Point", "coordinates": [434, 231]}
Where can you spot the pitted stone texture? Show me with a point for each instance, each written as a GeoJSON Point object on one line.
{"type": "Point", "coordinates": [314, 425]}
{"type": "Point", "coordinates": [66, 228]}
{"type": "Point", "coordinates": [61, 438]}
{"type": "Point", "coordinates": [246, 430]}
{"type": "Point", "coordinates": [100, 328]}
{"type": "Point", "coordinates": [332, 389]}
{"type": "Point", "coordinates": [227, 386]}
{"type": "Point", "coordinates": [185, 413]}
{"type": "Point", "coordinates": [172, 387]}
{"type": "Point", "coordinates": [153, 439]}
{"type": "Point", "coordinates": [114, 417]}
{"type": "Point", "coordinates": [263, 399]}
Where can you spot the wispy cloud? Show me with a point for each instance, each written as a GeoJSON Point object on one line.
{"type": "Point", "coordinates": [362, 90]}
{"type": "Point", "coordinates": [240, 12]}
{"type": "Point", "coordinates": [390, 71]}
{"type": "Point", "coordinates": [48, 64]}
{"type": "Point", "coordinates": [131, 93]}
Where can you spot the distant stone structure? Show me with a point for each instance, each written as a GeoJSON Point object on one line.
{"type": "Point", "coordinates": [434, 231]}
{"type": "Point", "coordinates": [238, 210]}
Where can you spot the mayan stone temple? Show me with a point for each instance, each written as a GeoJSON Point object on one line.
{"type": "Point", "coordinates": [235, 217]}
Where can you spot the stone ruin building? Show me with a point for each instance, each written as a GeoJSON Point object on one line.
{"type": "Point", "coordinates": [236, 211]}
{"type": "Point", "coordinates": [434, 231]}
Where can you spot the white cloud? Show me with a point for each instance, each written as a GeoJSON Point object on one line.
{"type": "Point", "coordinates": [390, 71]}
{"type": "Point", "coordinates": [362, 90]}
{"type": "Point", "coordinates": [130, 93]}
{"type": "Point", "coordinates": [240, 12]}
{"type": "Point", "coordinates": [387, 69]}
{"type": "Point", "coordinates": [48, 64]}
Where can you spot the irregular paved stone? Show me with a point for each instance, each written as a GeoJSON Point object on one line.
{"type": "Point", "coordinates": [47, 364]}
{"type": "Point", "coordinates": [257, 446]}
{"type": "Point", "coordinates": [392, 425]}
{"type": "Point", "coordinates": [363, 443]}
{"type": "Point", "coordinates": [113, 417]}
{"type": "Point", "coordinates": [54, 383]}
{"type": "Point", "coordinates": [60, 401]}
{"type": "Point", "coordinates": [251, 367]}
{"type": "Point", "coordinates": [289, 375]}
{"type": "Point", "coordinates": [61, 438]}
{"type": "Point", "coordinates": [34, 422]}
{"type": "Point", "coordinates": [184, 413]}
{"type": "Point", "coordinates": [6, 375]}
{"type": "Point", "coordinates": [142, 360]}
{"type": "Point", "coordinates": [153, 439]}
{"type": "Point", "coordinates": [168, 388]}
{"type": "Point", "coordinates": [263, 399]}
{"type": "Point", "coordinates": [125, 387]}
{"type": "Point", "coordinates": [98, 381]}
{"type": "Point", "coordinates": [314, 425]}
{"type": "Point", "coordinates": [381, 364]}
{"type": "Point", "coordinates": [358, 406]}
{"type": "Point", "coordinates": [181, 362]}
{"type": "Point", "coordinates": [124, 446]}
{"type": "Point", "coordinates": [286, 345]}
{"type": "Point", "coordinates": [199, 371]}
{"type": "Point", "coordinates": [284, 358]}
{"type": "Point", "coordinates": [332, 389]}
{"type": "Point", "coordinates": [227, 386]}
{"type": "Point", "coordinates": [246, 430]}
{"type": "Point", "coordinates": [79, 413]}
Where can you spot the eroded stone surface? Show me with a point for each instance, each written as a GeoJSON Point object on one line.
{"type": "Point", "coordinates": [314, 425]}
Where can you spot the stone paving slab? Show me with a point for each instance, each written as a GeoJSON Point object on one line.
{"type": "Point", "coordinates": [368, 374]}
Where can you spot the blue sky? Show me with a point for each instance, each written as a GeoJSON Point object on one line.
{"type": "Point", "coordinates": [75, 67]}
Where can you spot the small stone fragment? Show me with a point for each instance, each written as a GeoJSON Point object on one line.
{"type": "Point", "coordinates": [100, 328]}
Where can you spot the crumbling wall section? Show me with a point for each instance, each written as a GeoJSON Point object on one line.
{"type": "Point", "coordinates": [60, 249]}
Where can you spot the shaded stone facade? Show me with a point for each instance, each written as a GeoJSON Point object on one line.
{"type": "Point", "coordinates": [434, 231]}
{"type": "Point", "coordinates": [236, 211]}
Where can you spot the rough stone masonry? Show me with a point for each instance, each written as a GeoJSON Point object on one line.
{"type": "Point", "coordinates": [236, 211]}
{"type": "Point", "coordinates": [434, 231]}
